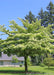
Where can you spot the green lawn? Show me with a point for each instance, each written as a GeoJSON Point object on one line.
{"type": "Point", "coordinates": [14, 70]}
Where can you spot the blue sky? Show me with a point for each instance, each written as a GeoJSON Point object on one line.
{"type": "Point", "coordinates": [11, 9]}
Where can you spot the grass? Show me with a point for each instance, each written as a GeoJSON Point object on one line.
{"type": "Point", "coordinates": [14, 70]}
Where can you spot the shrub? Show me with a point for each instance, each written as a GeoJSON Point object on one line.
{"type": "Point", "coordinates": [21, 65]}
{"type": "Point", "coordinates": [42, 64]}
{"type": "Point", "coordinates": [49, 61]}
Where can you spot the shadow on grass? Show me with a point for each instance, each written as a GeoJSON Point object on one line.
{"type": "Point", "coordinates": [20, 72]}
{"type": "Point", "coordinates": [50, 68]}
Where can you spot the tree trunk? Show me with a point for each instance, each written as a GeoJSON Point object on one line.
{"type": "Point", "coordinates": [26, 68]}
{"type": "Point", "coordinates": [48, 66]}
{"type": "Point", "coordinates": [42, 59]}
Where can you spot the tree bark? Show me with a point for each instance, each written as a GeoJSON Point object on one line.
{"type": "Point", "coordinates": [26, 68]}
{"type": "Point", "coordinates": [42, 59]}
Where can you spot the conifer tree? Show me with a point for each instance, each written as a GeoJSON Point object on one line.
{"type": "Point", "coordinates": [41, 16]}
{"type": "Point", "coordinates": [47, 17]}
{"type": "Point", "coordinates": [50, 9]}
{"type": "Point", "coordinates": [30, 17]}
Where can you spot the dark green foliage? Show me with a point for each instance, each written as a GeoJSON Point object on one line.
{"type": "Point", "coordinates": [30, 17]}
{"type": "Point", "coordinates": [50, 9]}
{"type": "Point", "coordinates": [21, 65]}
{"type": "Point", "coordinates": [47, 17]}
{"type": "Point", "coordinates": [41, 16]}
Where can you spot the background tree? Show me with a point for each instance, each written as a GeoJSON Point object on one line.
{"type": "Point", "coordinates": [47, 17]}
{"type": "Point", "coordinates": [50, 9]}
{"type": "Point", "coordinates": [1, 41]}
{"type": "Point", "coordinates": [30, 17]}
{"type": "Point", "coordinates": [49, 61]}
{"type": "Point", "coordinates": [41, 16]}
{"type": "Point", "coordinates": [21, 41]}
{"type": "Point", "coordinates": [14, 60]}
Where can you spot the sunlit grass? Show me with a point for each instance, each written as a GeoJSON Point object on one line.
{"type": "Point", "coordinates": [40, 70]}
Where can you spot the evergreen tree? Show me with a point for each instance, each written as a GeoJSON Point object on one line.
{"type": "Point", "coordinates": [47, 17]}
{"type": "Point", "coordinates": [50, 9]}
{"type": "Point", "coordinates": [30, 17]}
{"type": "Point", "coordinates": [41, 16]}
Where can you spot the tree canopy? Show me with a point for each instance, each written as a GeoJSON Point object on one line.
{"type": "Point", "coordinates": [26, 40]}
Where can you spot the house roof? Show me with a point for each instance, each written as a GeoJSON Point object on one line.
{"type": "Point", "coordinates": [6, 57]}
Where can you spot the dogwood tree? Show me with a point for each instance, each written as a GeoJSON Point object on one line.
{"type": "Point", "coordinates": [26, 40]}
